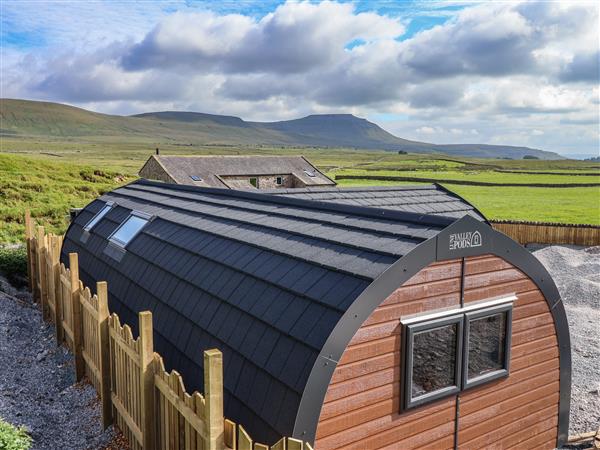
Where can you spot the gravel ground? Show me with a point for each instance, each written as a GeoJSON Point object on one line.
{"type": "Point", "coordinates": [37, 383]}
{"type": "Point", "coordinates": [576, 272]}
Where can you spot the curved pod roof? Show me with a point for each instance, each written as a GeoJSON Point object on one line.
{"type": "Point", "coordinates": [277, 283]}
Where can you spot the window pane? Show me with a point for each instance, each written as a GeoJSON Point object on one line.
{"type": "Point", "coordinates": [434, 359]}
{"type": "Point", "coordinates": [129, 228]}
{"type": "Point", "coordinates": [99, 215]}
{"type": "Point", "coordinates": [487, 337]}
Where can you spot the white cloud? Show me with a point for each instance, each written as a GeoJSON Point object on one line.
{"type": "Point", "coordinates": [498, 72]}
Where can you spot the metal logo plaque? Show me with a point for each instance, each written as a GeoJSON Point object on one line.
{"type": "Point", "coordinates": [465, 237]}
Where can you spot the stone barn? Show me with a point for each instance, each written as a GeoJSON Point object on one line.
{"type": "Point", "coordinates": [343, 325]}
{"type": "Point", "coordinates": [235, 172]}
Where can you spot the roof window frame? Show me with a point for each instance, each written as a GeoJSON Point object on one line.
{"type": "Point", "coordinates": [108, 206]}
{"type": "Point", "coordinates": [121, 244]}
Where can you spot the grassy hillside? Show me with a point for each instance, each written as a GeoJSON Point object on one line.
{"type": "Point", "coordinates": [51, 177]}
{"type": "Point", "coordinates": [22, 118]}
{"type": "Point", "coordinates": [49, 189]}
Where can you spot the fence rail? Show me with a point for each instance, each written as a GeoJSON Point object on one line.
{"type": "Point", "coordinates": [549, 233]}
{"type": "Point", "coordinates": [148, 404]}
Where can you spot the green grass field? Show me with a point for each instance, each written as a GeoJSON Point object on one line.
{"type": "Point", "coordinates": [475, 175]}
{"type": "Point", "coordinates": [49, 176]}
{"type": "Point", "coordinates": [49, 189]}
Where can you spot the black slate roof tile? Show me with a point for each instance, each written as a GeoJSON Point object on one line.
{"type": "Point", "coordinates": [263, 278]}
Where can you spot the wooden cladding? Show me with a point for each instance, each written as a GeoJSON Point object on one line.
{"type": "Point", "coordinates": [362, 404]}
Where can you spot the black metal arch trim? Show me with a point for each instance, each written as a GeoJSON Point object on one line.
{"type": "Point", "coordinates": [432, 250]}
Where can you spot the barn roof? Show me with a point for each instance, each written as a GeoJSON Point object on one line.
{"type": "Point", "coordinates": [213, 171]}
{"type": "Point", "coordinates": [422, 199]}
{"type": "Point", "coordinates": [264, 278]}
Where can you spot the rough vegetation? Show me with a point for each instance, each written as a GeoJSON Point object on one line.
{"type": "Point", "coordinates": [51, 176]}
{"type": "Point", "coordinates": [13, 263]}
{"type": "Point", "coordinates": [13, 438]}
{"type": "Point", "coordinates": [49, 189]}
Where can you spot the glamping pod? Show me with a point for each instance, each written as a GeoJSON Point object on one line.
{"type": "Point", "coordinates": [342, 325]}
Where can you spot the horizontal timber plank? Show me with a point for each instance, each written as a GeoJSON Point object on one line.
{"type": "Point", "coordinates": [90, 309]}
{"type": "Point", "coordinates": [91, 365]}
{"type": "Point", "coordinates": [389, 430]}
{"type": "Point", "coordinates": [544, 440]}
{"type": "Point", "coordinates": [412, 435]}
{"type": "Point", "coordinates": [364, 350]}
{"type": "Point", "coordinates": [525, 422]}
{"type": "Point", "coordinates": [533, 334]}
{"type": "Point", "coordinates": [125, 346]}
{"type": "Point", "coordinates": [187, 412]}
{"type": "Point", "coordinates": [133, 427]}
{"type": "Point", "coordinates": [359, 400]}
{"type": "Point", "coordinates": [365, 367]}
{"type": "Point", "coordinates": [430, 274]}
{"type": "Point", "coordinates": [494, 412]}
{"type": "Point", "coordinates": [497, 290]}
{"type": "Point", "coordinates": [345, 388]}
{"type": "Point", "coordinates": [528, 348]}
{"type": "Point", "coordinates": [528, 323]}
{"type": "Point", "coordinates": [393, 311]}
{"type": "Point", "coordinates": [518, 383]}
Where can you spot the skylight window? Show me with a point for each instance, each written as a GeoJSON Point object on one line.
{"type": "Point", "coordinates": [129, 229]}
{"type": "Point", "coordinates": [99, 215]}
{"type": "Point", "coordinates": [310, 173]}
{"type": "Point", "coordinates": [195, 178]}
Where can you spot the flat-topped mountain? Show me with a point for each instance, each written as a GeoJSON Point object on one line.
{"type": "Point", "coordinates": [24, 117]}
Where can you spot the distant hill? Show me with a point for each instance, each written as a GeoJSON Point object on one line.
{"type": "Point", "coordinates": [31, 118]}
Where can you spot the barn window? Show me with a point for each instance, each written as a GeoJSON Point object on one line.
{"type": "Point", "coordinates": [99, 215]}
{"type": "Point", "coordinates": [448, 351]}
{"type": "Point", "coordinates": [487, 346]}
{"type": "Point", "coordinates": [433, 363]}
{"type": "Point", "coordinates": [254, 182]}
{"type": "Point", "coordinates": [128, 229]}
{"type": "Point", "coordinates": [279, 181]}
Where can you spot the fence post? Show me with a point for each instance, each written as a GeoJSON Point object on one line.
{"type": "Point", "coordinates": [104, 352]}
{"type": "Point", "coordinates": [76, 311]}
{"type": "Point", "coordinates": [58, 301]}
{"type": "Point", "coordinates": [147, 379]}
{"type": "Point", "coordinates": [213, 395]}
{"type": "Point", "coordinates": [28, 238]}
{"type": "Point", "coordinates": [40, 256]}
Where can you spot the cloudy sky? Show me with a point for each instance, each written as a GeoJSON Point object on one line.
{"type": "Point", "coordinates": [517, 73]}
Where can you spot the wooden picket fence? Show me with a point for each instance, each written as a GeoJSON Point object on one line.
{"type": "Point", "coordinates": [149, 405]}
{"type": "Point", "coordinates": [549, 233]}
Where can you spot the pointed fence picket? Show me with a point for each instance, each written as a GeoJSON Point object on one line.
{"type": "Point", "coordinates": [148, 404]}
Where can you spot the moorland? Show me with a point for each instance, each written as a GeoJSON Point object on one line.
{"type": "Point", "coordinates": [48, 164]}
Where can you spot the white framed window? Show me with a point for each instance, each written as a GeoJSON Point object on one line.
{"type": "Point", "coordinates": [451, 350]}
{"type": "Point", "coordinates": [99, 215]}
{"type": "Point", "coordinates": [129, 228]}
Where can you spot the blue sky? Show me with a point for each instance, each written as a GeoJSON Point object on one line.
{"type": "Point", "coordinates": [519, 73]}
